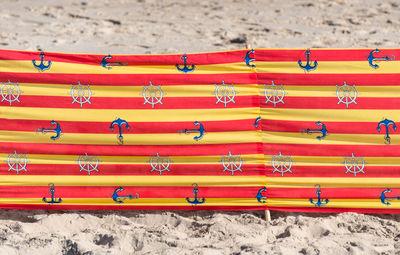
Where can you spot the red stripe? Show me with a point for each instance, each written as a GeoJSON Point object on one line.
{"type": "Point", "coordinates": [330, 193]}
{"type": "Point", "coordinates": [332, 103]}
{"type": "Point", "coordinates": [197, 207]}
{"type": "Point", "coordinates": [96, 59]}
{"type": "Point", "coordinates": [202, 170]}
{"type": "Point", "coordinates": [132, 207]}
{"type": "Point", "coordinates": [205, 58]}
{"type": "Point", "coordinates": [134, 103]}
{"type": "Point", "coordinates": [322, 54]}
{"type": "Point", "coordinates": [332, 127]}
{"type": "Point", "coordinates": [366, 79]}
{"type": "Point", "coordinates": [131, 79]}
{"type": "Point", "coordinates": [143, 169]}
{"type": "Point", "coordinates": [144, 192]}
{"type": "Point", "coordinates": [135, 127]}
{"type": "Point", "coordinates": [333, 150]}
{"type": "Point", "coordinates": [385, 209]}
{"type": "Point", "coordinates": [205, 79]}
{"type": "Point", "coordinates": [203, 103]}
{"type": "Point", "coordinates": [130, 150]}
{"type": "Point", "coordinates": [337, 171]}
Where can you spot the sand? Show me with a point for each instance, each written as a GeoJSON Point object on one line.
{"type": "Point", "coordinates": [81, 232]}
{"type": "Point", "coordinates": [143, 27]}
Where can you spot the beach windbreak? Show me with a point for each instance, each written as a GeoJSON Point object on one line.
{"type": "Point", "coordinates": [281, 129]}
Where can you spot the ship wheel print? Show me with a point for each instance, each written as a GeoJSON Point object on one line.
{"type": "Point", "coordinates": [17, 162]}
{"type": "Point", "coordinates": [81, 94]}
{"type": "Point", "coordinates": [274, 94]}
{"type": "Point", "coordinates": [281, 164]}
{"type": "Point", "coordinates": [88, 163]}
{"type": "Point", "coordinates": [346, 94]}
{"type": "Point", "coordinates": [152, 95]}
{"type": "Point", "coordinates": [160, 164]}
{"type": "Point", "coordinates": [10, 92]}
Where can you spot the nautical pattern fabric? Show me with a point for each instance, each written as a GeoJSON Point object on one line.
{"type": "Point", "coordinates": [280, 129]}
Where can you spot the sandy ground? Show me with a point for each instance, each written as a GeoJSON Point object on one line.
{"type": "Point", "coordinates": [208, 233]}
{"type": "Point", "coordinates": [144, 26]}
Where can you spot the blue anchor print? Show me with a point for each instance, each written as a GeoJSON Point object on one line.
{"type": "Point", "coordinates": [108, 65]}
{"type": "Point", "coordinates": [195, 201]}
{"type": "Point", "coordinates": [319, 201]}
{"type": "Point", "coordinates": [119, 122]}
{"type": "Point", "coordinates": [53, 200]}
{"type": "Point", "coordinates": [56, 129]}
{"type": "Point", "coordinates": [387, 124]}
{"type": "Point", "coordinates": [41, 67]}
{"type": "Point", "coordinates": [249, 59]}
{"type": "Point", "coordinates": [260, 197]}
{"type": "Point", "coordinates": [199, 130]}
{"type": "Point", "coordinates": [385, 200]}
{"type": "Point", "coordinates": [308, 67]}
{"type": "Point", "coordinates": [186, 67]}
{"type": "Point", "coordinates": [371, 58]}
{"type": "Point", "coordinates": [323, 130]}
{"type": "Point", "coordinates": [256, 122]}
{"type": "Point", "coordinates": [119, 199]}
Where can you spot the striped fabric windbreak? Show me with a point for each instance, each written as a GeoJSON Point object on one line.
{"type": "Point", "coordinates": [281, 129]}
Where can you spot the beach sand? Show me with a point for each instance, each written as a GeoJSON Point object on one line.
{"type": "Point", "coordinates": [144, 27]}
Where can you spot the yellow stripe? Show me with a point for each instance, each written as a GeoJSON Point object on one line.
{"type": "Point", "coordinates": [247, 159]}
{"type": "Point", "coordinates": [346, 115]}
{"type": "Point", "coordinates": [324, 67]}
{"type": "Point", "coordinates": [131, 116]}
{"type": "Point", "coordinates": [137, 180]}
{"type": "Point", "coordinates": [271, 202]}
{"type": "Point", "coordinates": [330, 91]}
{"type": "Point", "coordinates": [329, 67]}
{"type": "Point", "coordinates": [37, 89]}
{"type": "Point", "coordinates": [137, 202]}
{"type": "Point", "coordinates": [338, 161]}
{"type": "Point", "coordinates": [310, 182]}
{"type": "Point", "coordinates": [340, 139]}
{"type": "Point", "coordinates": [208, 138]}
{"type": "Point", "coordinates": [133, 160]}
{"type": "Point", "coordinates": [334, 203]}
{"type": "Point", "coordinates": [23, 66]}
{"type": "Point", "coordinates": [132, 139]}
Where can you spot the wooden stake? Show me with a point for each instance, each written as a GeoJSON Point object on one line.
{"type": "Point", "coordinates": [267, 216]}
